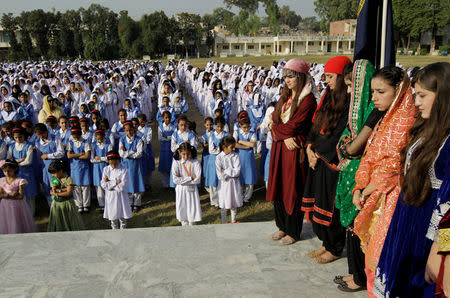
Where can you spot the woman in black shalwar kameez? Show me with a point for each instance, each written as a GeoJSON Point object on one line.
{"type": "Point", "coordinates": [320, 188]}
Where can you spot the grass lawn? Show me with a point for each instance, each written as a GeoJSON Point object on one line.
{"type": "Point", "coordinates": [407, 61]}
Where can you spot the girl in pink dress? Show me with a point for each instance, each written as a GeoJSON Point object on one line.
{"type": "Point", "coordinates": [15, 215]}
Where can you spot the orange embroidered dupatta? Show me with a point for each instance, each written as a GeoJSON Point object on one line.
{"type": "Point", "coordinates": [380, 165]}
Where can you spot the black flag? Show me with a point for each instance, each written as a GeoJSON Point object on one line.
{"type": "Point", "coordinates": [368, 32]}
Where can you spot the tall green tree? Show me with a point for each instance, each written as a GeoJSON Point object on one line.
{"type": "Point", "coordinates": [155, 30]}
{"type": "Point", "coordinates": [9, 24]}
{"type": "Point", "coordinates": [25, 28]}
{"type": "Point", "coordinates": [129, 33]}
{"type": "Point", "coordinates": [101, 36]}
{"type": "Point", "coordinates": [335, 10]}
{"type": "Point", "coordinates": [191, 30]}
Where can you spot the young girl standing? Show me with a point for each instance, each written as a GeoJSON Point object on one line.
{"type": "Point", "coordinates": [15, 215]}
{"type": "Point", "coordinates": [79, 153]}
{"type": "Point", "coordinates": [204, 140]}
{"type": "Point", "coordinates": [245, 142]}
{"type": "Point", "coordinates": [181, 135]}
{"type": "Point", "coordinates": [214, 149]}
{"type": "Point", "coordinates": [228, 168]}
{"type": "Point", "coordinates": [50, 148]}
{"type": "Point", "coordinates": [131, 149]}
{"type": "Point", "coordinates": [63, 213]}
{"type": "Point", "coordinates": [165, 131]}
{"type": "Point", "coordinates": [100, 148]}
{"type": "Point", "coordinates": [22, 152]}
{"type": "Point", "coordinates": [115, 180]}
{"type": "Point", "coordinates": [186, 172]}
{"type": "Point", "coordinates": [146, 132]}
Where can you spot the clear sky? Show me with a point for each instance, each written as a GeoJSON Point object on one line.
{"type": "Point", "coordinates": [136, 8]}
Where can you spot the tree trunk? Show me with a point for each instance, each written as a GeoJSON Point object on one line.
{"type": "Point", "coordinates": [419, 48]}
{"type": "Point", "coordinates": [402, 38]}
{"type": "Point", "coordinates": [409, 43]}
{"type": "Point", "coordinates": [433, 39]}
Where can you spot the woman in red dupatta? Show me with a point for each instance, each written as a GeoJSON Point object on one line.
{"type": "Point", "coordinates": [291, 124]}
{"type": "Point", "coordinates": [377, 178]}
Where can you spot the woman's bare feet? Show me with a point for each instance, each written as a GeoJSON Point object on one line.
{"type": "Point", "coordinates": [287, 240]}
{"type": "Point", "coordinates": [326, 258]}
{"type": "Point", "coordinates": [277, 235]}
{"type": "Point", "coordinates": [315, 253]}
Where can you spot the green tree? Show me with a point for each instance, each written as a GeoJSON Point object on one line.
{"type": "Point", "coordinates": [100, 29]}
{"type": "Point", "coordinates": [155, 30]}
{"type": "Point", "coordinates": [289, 17]}
{"type": "Point", "coordinates": [335, 10]}
{"type": "Point", "coordinates": [40, 28]}
{"type": "Point", "coordinates": [310, 23]}
{"type": "Point", "coordinates": [9, 24]}
{"type": "Point", "coordinates": [25, 28]}
{"type": "Point", "coordinates": [191, 30]}
{"type": "Point", "coordinates": [129, 32]}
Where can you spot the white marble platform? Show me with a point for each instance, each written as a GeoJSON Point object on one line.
{"type": "Point", "coordinates": [202, 261]}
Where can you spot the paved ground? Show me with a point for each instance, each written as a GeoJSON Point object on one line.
{"type": "Point", "coordinates": [201, 261]}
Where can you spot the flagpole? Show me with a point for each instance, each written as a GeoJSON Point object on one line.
{"type": "Point", "coordinates": [383, 34]}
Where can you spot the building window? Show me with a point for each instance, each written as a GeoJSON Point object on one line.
{"type": "Point", "coordinates": [5, 37]}
{"type": "Point", "coordinates": [250, 47]}
{"type": "Point", "coordinates": [268, 46]}
{"type": "Point", "coordinates": [263, 46]}
{"type": "Point", "coordinates": [300, 43]}
{"type": "Point", "coordinates": [225, 47]}
{"type": "Point", "coordinates": [237, 47]}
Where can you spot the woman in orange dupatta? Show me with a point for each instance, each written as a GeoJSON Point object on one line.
{"type": "Point", "coordinates": [377, 178]}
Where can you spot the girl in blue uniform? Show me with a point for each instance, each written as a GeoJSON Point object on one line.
{"type": "Point", "coordinates": [50, 148]}
{"type": "Point", "coordinates": [165, 107]}
{"type": "Point", "coordinates": [117, 128]}
{"type": "Point", "coordinates": [100, 147]}
{"type": "Point", "coordinates": [79, 154]}
{"type": "Point", "coordinates": [86, 132]}
{"type": "Point", "coordinates": [204, 140]}
{"type": "Point", "coordinates": [63, 132]}
{"type": "Point", "coordinates": [246, 142]}
{"type": "Point", "coordinates": [211, 179]}
{"type": "Point", "coordinates": [165, 131]}
{"type": "Point", "coordinates": [149, 156]}
{"type": "Point", "coordinates": [22, 152]}
{"type": "Point", "coordinates": [131, 150]}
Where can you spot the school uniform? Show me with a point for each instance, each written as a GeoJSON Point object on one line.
{"type": "Point", "coordinates": [178, 138]}
{"type": "Point", "coordinates": [188, 208]}
{"type": "Point", "coordinates": [211, 180]}
{"type": "Point", "coordinates": [248, 176]}
{"type": "Point", "coordinates": [100, 150]}
{"type": "Point", "coordinates": [25, 150]}
{"type": "Point", "coordinates": [268, 146]}
{"type": "Point", "coordinates": [80, 173]}
{"type": "Point", "coordinates": [204, 138]}
{"type": "Point", "coordinates": [117, 206]}
{"type": "Point", "coordinates": [53, 148]}
{"type": "Point", "coordinates": [131, 151]}
{"type": "Point", "coordinates": [229, 187]}
{"type": "Point", "coordinates": [165, 153]}
{"type": "Point", "coordinates": [149, 156]}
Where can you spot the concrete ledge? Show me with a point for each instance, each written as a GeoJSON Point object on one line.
{"type": "Point", "coordinates": [200, 261]}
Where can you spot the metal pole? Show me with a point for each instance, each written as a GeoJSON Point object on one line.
{"type": "Point", "coordinates": [383, 34]}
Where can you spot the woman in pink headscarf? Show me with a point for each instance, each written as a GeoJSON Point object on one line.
{"type": "Point", "coordinates": [291, 124]}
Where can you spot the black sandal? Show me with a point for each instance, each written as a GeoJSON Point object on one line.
{"type": "Point", "coordinates": [344, 288]}
{"type": "Point", "coordinates": [338, 279]}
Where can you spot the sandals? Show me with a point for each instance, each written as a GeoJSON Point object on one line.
{"type": "Point", "coordinates": [278, 235]}
{"type": "Point", "coordinates": [338, 279]}
{"type": "Point", "coordinates": [344, 287]}
{"type": "Point", "coordinates": [325, 260]}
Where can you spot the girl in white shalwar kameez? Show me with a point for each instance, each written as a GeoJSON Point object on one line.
{"type": "Point", "coordinates": [115, 182]}
{"type": "Point", "coordinates": [187, 172]}
{"type": "Point", "coordinates": [228, 168]}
